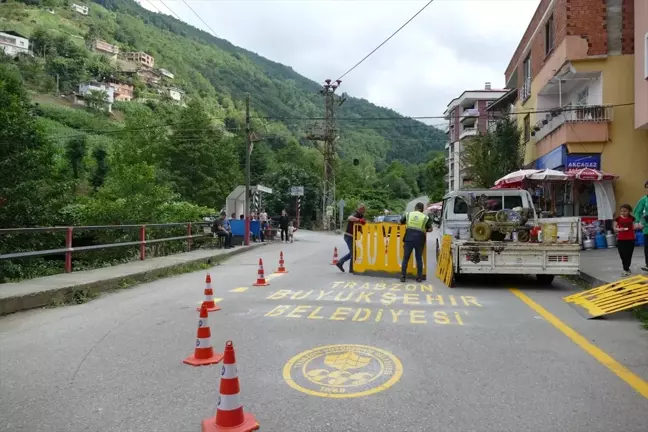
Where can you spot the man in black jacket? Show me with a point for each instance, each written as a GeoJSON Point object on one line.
{"type": "Point", "coordinates": [284, 220]}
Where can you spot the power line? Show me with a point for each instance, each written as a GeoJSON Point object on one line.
{"type": "Point", "coordinates": [200, 18]}
{"type": "Point", "coordinates": [386, 40]}
{"type": "Point", "coordinates": [170, 10]}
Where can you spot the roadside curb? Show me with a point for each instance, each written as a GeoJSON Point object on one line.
{"type": "Point", "coordinates": [591, 280]}
{"type": "Point", "coordinates": [61, 295]}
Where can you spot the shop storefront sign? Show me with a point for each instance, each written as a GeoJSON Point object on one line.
{"type": "Point", "coordinates": [552, 160]}
{"type": "Point", "coordinates": [580, 161]}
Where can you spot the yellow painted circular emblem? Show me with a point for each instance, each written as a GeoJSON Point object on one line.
{"type": "Point", "coordinates": [343, 371]}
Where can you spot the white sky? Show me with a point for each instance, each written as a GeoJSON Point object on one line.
{"type": "Point", "coordinates": [452, 46]}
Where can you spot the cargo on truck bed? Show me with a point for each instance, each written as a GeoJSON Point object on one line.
{"type": "Point", "coordinates": [498, 217]}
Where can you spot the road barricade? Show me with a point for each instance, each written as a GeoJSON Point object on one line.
{"type": "Point", "coordinates": [444, 268]}
{"type": "Point", "coordinates": [607, 299]}
{"type": "Point", "coordinates": [378, 249]}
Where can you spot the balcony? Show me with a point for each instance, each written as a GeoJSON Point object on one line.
{"type": "Point", "coordinates": [577, 124]}
{"type": "Point", "coordinates": [468, 132]}
{"type": "Point", "coordinates": [469, 117]}
{"type": "Point", "coordinates": [525, 90]}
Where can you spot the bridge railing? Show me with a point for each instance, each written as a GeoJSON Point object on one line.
{"type": "Point", "coordinates": [69, 231]}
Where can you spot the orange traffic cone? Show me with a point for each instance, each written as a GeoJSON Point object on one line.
{"type": "Point", "coordinates": [282, 268]}
{"type": "Point", "coordinates": [335, 257]}
{"type": "Point", "coordinates": [209, 296]}
{"type": "Point", "coordinates": [230, 416]}
{"type": "Point", "coordinates": [260, 276]}
{"type": "Point", "coordinates": [204, 353]}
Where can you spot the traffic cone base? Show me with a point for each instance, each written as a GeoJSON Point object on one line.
{"type": "Point", "coordinates": [249, 424]}
{"type": "Point", "coordinates": [193, 361]}
{"type": "Point", "coordinates": [210, 309]}
{"type": "Point", "coordinates": [260, 284]}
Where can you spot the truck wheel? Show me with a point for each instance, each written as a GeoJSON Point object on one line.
{"type": "Point", "coordinates": [481, 231]}
{"type": "Point", "coordinates": [545, 279]}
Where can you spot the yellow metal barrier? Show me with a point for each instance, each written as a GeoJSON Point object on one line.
{"type": "Point", "coordinates": [444, 268]}
{"type": "Point", "coordinates": [378, 248]}
{"type": "Point", "coordinates": [615, 297]}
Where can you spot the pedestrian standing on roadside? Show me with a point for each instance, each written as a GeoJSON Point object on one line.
{"type": "Point", "coordinates": [283, 225]}
{"type": "Point", "coordinates": [356, 218]}
{"type": "Point", "coordinates": [624, 226]}
{"type": "Point", "coordinates": [641, 215]}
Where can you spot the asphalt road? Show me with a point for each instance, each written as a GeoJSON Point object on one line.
{"type": "Point", "coordinates": [424, 357]}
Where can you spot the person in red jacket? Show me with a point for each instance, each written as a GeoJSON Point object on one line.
{"type": "Point", "coordinates": [356, 218]}
{"type": "Point", "coordinates": [624, 226]}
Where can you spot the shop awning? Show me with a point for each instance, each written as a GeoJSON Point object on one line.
{"type": "Point", "coordinates": [590, 174]}
{"type": "Point", "coordinates": [515, 179]}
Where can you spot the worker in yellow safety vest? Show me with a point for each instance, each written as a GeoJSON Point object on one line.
{"type": "Point", "coordinates": [418, 225]}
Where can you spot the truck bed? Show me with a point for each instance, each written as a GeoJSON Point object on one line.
{"type": "Point", "coordinates": [516, 258]}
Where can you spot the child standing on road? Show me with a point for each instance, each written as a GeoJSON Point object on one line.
{"type": "Point", "coordinates": [624, 226]}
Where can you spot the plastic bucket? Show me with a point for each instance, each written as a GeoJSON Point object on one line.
{"type": "Point", "coordinates": [549, 233]}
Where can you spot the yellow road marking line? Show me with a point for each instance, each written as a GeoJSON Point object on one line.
{"type": "Point", "coordinates": [274, 275]}
{"type": "Point", "coordinates": [604, 358]}
{"type": "Point", "coordinates": [240, 289]}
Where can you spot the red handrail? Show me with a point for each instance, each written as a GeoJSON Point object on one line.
{"type": "Point", "coordinates": [69, 233]}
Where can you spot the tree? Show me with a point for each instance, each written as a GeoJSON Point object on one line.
{"type": "Point", "coordinates": [434, 173]}
{"type": "Point", "coordinates": [29, 192]}
{"type": "Point", "coordinates": [75, 151]}
{"type": "Point", "coordinates": [99, 176]}
{"type": "Point", "coordinates": [491, 156]}
{"type": "Point", "coordinates": [96, 99]}
{"type": "Point", "coordinates": [200, 162]}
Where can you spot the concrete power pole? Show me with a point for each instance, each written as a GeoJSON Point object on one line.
{"type": "Point", "coordinates": [327, 134]}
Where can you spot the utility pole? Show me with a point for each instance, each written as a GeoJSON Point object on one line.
{"type": "Point", "coordinates": [248, 145]}
{"type": "Point", "coordinates": [327, 133]}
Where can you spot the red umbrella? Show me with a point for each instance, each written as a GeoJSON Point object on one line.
{"type": "Point", "coordinates": [590, 174]}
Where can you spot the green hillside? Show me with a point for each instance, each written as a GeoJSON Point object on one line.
{"type": "Point", "coordinates": [213, 68]}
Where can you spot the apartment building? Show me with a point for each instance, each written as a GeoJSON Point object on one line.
{"type": "Point", "coordinates": [467, 117]}
{"type": "Point", "coordinates": [641, 64]}
{"type": "Point", "coordinates": [575, 72]}
{"type": "Point", "coordinates": [141, 58]}
{"type": "Point", "coordinates": [13, 43]}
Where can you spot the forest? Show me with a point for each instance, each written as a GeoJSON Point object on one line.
{"type": "Point", "coordinates": [152, 160]}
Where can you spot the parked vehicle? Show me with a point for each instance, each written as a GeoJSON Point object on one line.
{"type": "Point", "coordinates": [504, 252]}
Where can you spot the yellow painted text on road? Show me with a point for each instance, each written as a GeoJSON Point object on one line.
{"type": "Point", "coordinates": [391, 287]}
{"type": "Point", "coordinates": [377, 298]}
{"type": "Point", "coordinates": [239, 289]}
{"type": "Point", "coordinates": [367, 315]}
{"type": "Point", "coordinates": [343, 371]}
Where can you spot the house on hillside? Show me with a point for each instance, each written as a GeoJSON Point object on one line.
{"type": "Point", "coordinates": [82, 9]}
{"type": "Point", "coordinates": [123, 92]}
{"type": "Point", "coordinates": [166, 73]}
{"type": "Point", "coordinates": [140, 58]}
{"type": "Point", "coordinates": [175, 94]}
{"type": "Point", "coordinates": [14, 43]}
{"type": "Point", "coordinates": [106, 49]}
{"type": "Point", "coordinates": [87, 89]}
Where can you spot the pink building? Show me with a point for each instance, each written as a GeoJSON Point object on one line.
{"type": "Point", "coordinates": [641, 63]}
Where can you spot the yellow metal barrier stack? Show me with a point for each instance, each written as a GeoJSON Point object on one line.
{"type": "Point", "coordinates": [607, 299]}
{"type": "Point", "coordinates": [378, 248]}
{"type": "Point", "coordinates": [444, 268]}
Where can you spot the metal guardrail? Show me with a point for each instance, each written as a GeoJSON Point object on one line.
{"type": "Point", "coordinates": [69, 233]}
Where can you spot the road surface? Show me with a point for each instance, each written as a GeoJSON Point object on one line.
{"type": "Point", "coordinates": [417, 357]}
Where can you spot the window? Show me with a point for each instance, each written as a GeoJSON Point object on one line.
{"type": "Point", "coordinates": [581, 97]}
{"type": "Point", "coordinates": [526, 73]}
{"type": "Point", "coordinates": [460, 206]}
{"type": "Point", "coordinates": [549, 35]}
{"type": "Point", "coordinates": [510, 202]}
{"type": "Point", "coordinates": [527, 127]}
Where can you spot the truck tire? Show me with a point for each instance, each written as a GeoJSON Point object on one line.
{"type": "Point", "coordinates": [545, 279]}
{"type": "Point", "coordinates": [481, 231]}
